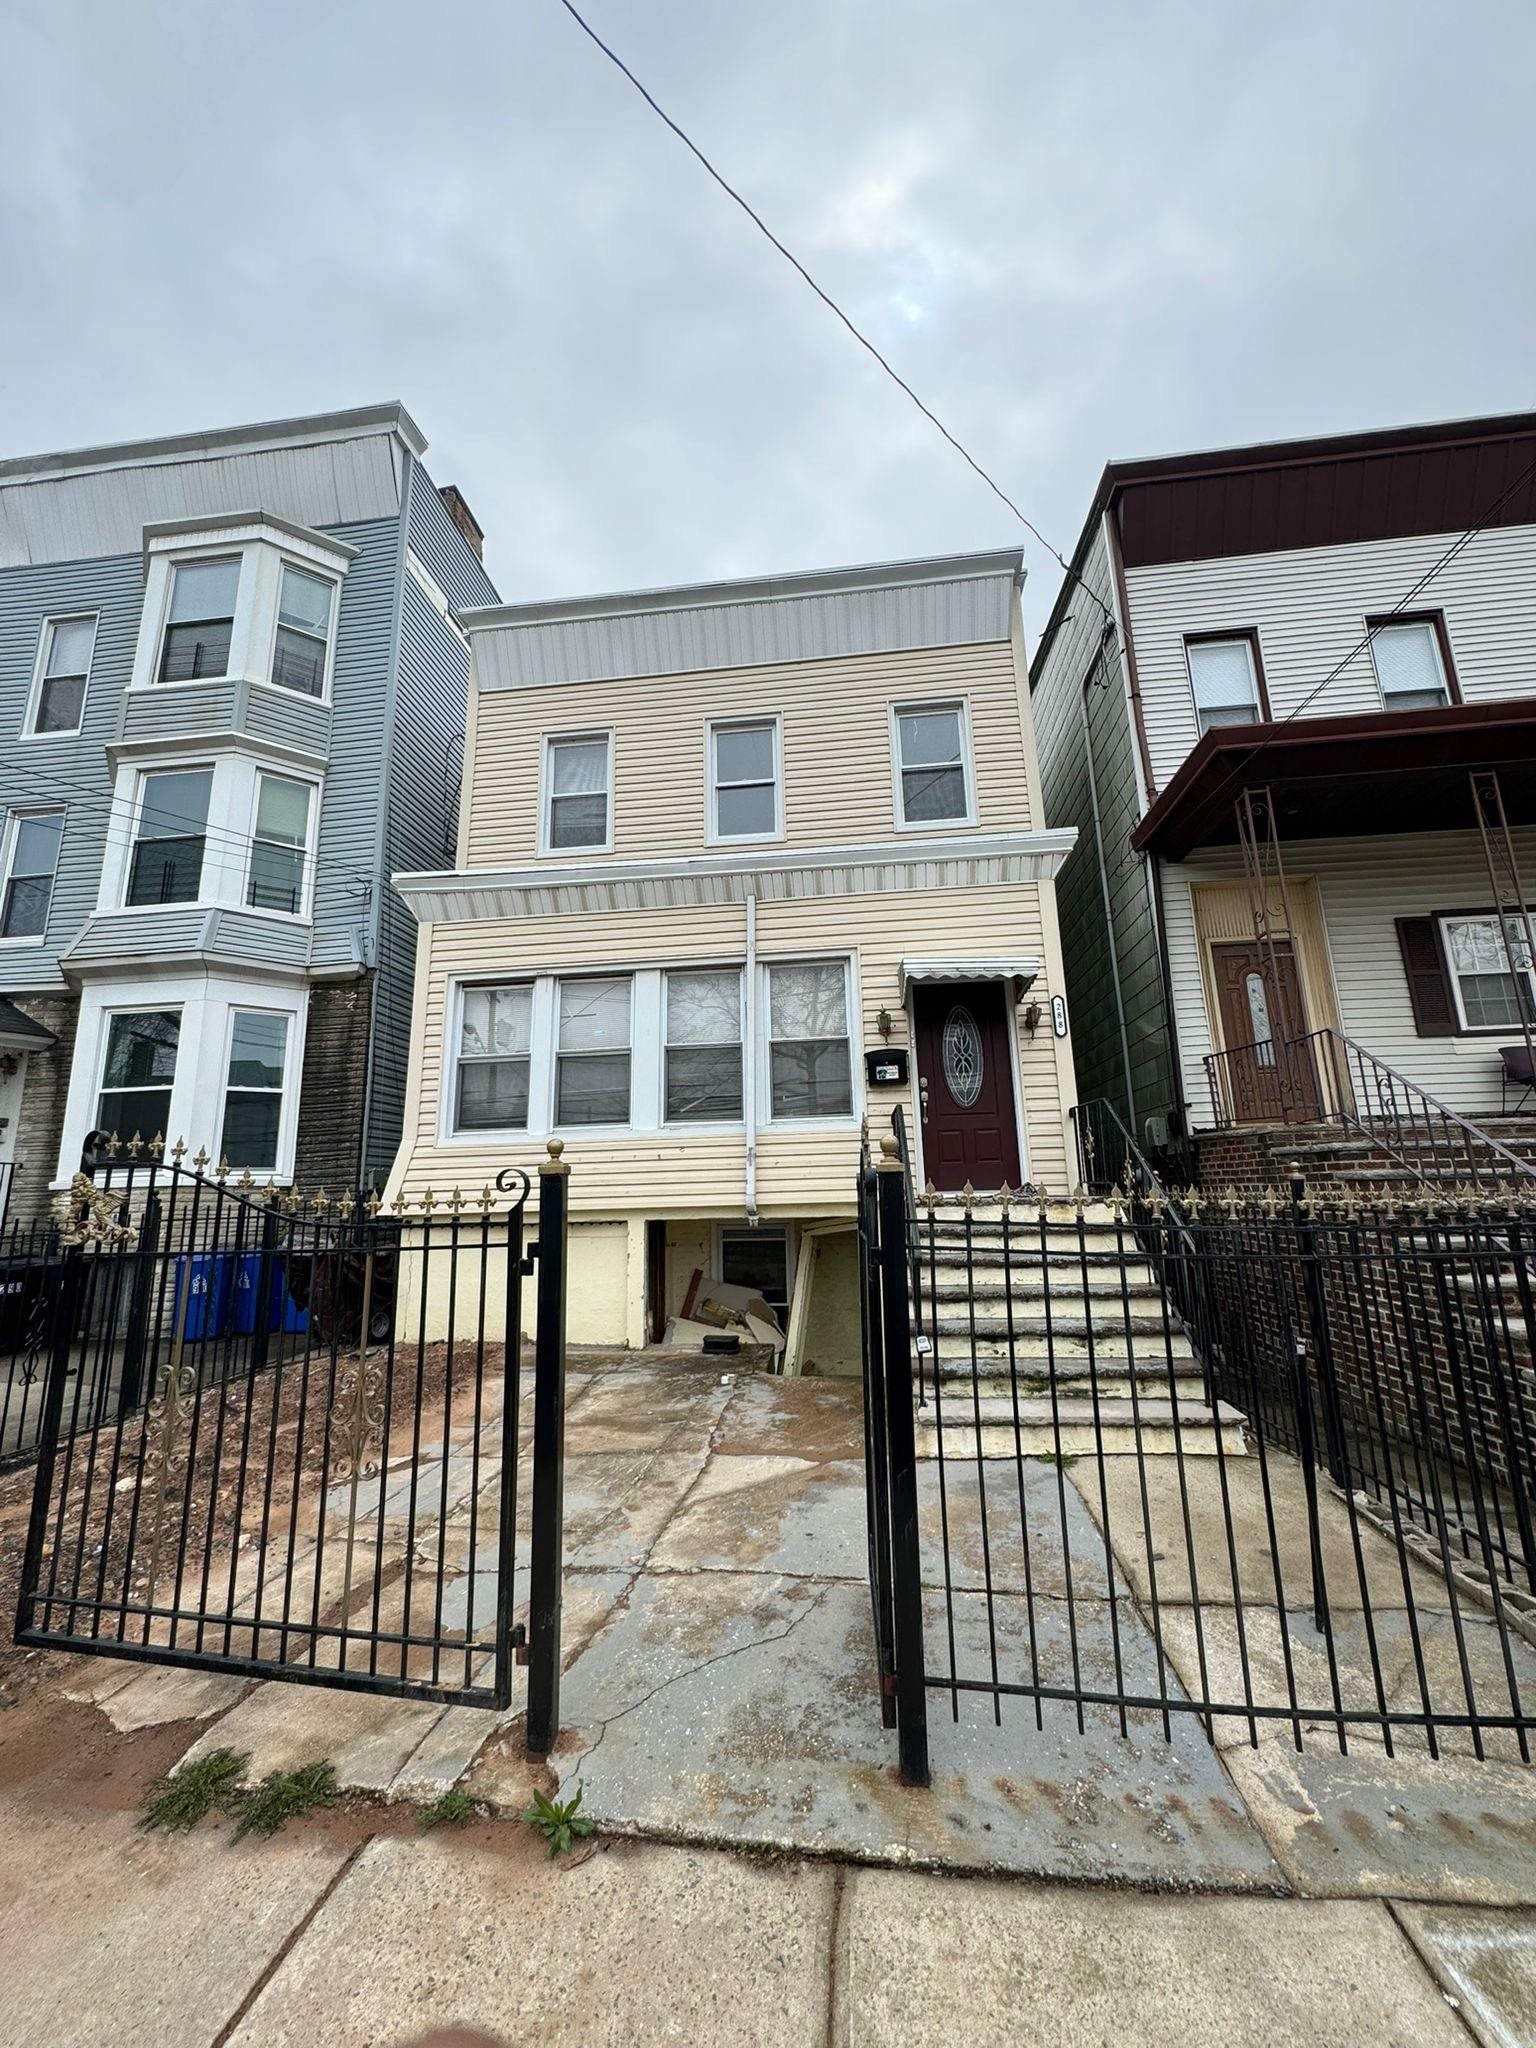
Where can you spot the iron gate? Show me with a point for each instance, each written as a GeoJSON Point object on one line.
{"type": "Point", "coordinates": [1262, 1464]}
{"type": "Point", "coordinates": [280, 1437]}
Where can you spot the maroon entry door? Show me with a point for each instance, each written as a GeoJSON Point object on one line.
{"type": "Point", "coordinates": [965, 1085]}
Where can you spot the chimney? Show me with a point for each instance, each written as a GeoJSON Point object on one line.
{"type": "Point", "coordinates": [458, 511]}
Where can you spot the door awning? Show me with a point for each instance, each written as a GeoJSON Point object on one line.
{"type": "Point", "coordinates": [19, 1032]}
{"type": "Point", "coordinates": [1019, 968]}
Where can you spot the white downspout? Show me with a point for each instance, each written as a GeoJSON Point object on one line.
{"type": "Point", "coordinates": [749, 1057]}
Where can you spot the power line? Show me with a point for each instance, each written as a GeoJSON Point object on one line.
{"type": "Point", "coordinates": [827, 299]}
{"type": "Point", "coordinates": [67, 793]}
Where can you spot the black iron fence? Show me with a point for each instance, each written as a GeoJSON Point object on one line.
{"type": "Point", "coordinates": [1255, 1465]}
{"type": "Point", "coordinates": [280, 1436]}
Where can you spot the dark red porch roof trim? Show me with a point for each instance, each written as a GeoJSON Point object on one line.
{"type": "Point", "coordinates": [1196, 807]}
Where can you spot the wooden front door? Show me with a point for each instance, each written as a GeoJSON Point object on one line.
{"type": "Point", "coordinates": [965, 1085]}
{"type": "Point", "coordinates": [1271, 1076]}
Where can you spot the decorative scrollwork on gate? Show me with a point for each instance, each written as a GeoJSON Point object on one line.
{"type": "Point", "coordinates": [357, 1416]}
{"type": "Point", "coordinates": [168, 1418]}
{"type": "Point", "coordinates": [96, 1217]}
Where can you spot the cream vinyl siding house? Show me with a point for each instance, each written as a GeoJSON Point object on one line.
{"type": "Point", "coordinates": [704, 892]}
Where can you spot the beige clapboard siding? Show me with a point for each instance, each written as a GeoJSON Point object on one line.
{"type": "Point", "coordinates": [837, 755]}
{"type": "Point", "coordinates": [801, 1172]}
{"type": "Point", "coordinates": [1309, 607]}
{"type": "Point", "coordinates": [1363, 886]}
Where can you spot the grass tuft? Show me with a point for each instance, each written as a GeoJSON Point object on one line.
{"type": "Point", "coordinates": [451, 1809]}
{"type": "Point", "coordinates": [283, 1796]}
{"type": "Point", "coordinates": [180, 1802]}
{"type": "Point", "coordinates": [559, 1821]}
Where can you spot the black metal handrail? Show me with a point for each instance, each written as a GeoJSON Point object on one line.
{"type": "Point", "coordinates": [1324, 1077]}
{"type": "Point", "coordinates": [914, 1264]}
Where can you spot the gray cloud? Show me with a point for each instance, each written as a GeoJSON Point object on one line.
{"type": "Point", "coordinates": [1080, 233]}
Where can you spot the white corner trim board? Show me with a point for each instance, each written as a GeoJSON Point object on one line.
{"type": "Point", "coordinates": [974, 859]}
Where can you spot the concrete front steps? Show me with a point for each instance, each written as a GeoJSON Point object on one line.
{"type": "Point", "coordinates": [1055, 1341]}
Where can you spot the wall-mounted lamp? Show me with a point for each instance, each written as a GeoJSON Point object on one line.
{"type": "Point", "coordinates": [1032, 1017]}
{"type": "Point", "coordinates": [883, 1024]}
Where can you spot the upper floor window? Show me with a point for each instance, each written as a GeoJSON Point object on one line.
{"type": "Point", "coordinates": [170, 835]}
{"type": "Point", "coordinates": [810, 1069]}
{"type": "Point", "coordinates": [592, 1051]}
{"type": "Point", "coordinates": [200, 622]}
{"type": "Point", "coordinates": [280, 845]}
{"type": "Point", "coordinates": [137, 1074]}
{"type": "Point", "coordinates": [703, 1046]}
{"type": "Point", "coordinates": [1225, 678]}
{"type": "Point", "coordinates": [578, 793]}
{"type": "Point", "coordinates": [31, 862]}
{"type": "Point", "coordinates": [933, 779]}
{"type": "Point", "coordinates": [253, 1089]}
{"type": "Point", "coordinates": [303, 632]}
{"type": "Point", "coordinates": [494, 1043]}
{"type": "Point", "coordinates": [63, 670]}
{"type": "Point", "coordinates": [1410, 664]}
{"type": "Point", "coordinates": [744, 779]}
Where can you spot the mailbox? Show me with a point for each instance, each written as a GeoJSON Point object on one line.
{"type": "Point", "coordinates": [886, 1068]}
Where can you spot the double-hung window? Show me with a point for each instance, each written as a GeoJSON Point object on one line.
{"type": "Point", "coordinates": [201, 621]}
{"type": "Point", "coordinates": [31, 862]}
{"type": "Point", "coordinates": [578, 793]}
{"type": "Point", "coordinates": [703, 1051]}
{"type": "Point", "coordinates": [303, 632]}
{"type": "Point", "coordinates": [592, 1051]}
{"type": "Point", "coordinates": [280, 845]}
{"type": "Point", "coordinates": [744, 779]}
{"type": "Point", "coordinates": [494, 1040]}
{"type": "Point", "coordinates": [810, 1070]}
{"type": "Point", "coordinates": [1225, 680]}
{"type": "Point", "coordinates": [137, 1073]}
{"type": "Point", "coordinates": [932, 778]}
{"type": "Point", "coordinates": [1409, 669]}
{"type": "Point", "coordinates": [1490, 993]}
{"type": "Point", "coordinates": [253, 1092]}
{"type": "Point", "coordinates": [169, 836]}
{"type": "Point", "coordinates": [68, 645]}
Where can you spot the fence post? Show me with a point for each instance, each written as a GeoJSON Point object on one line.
{"type": "Point", "coordinates": [901, 1436]}
{"type": "Point", "coordinates": [1322, 1336]}
{"type": "Point", "coordinates": [136, 1335]}
{"type": "Point", "coordinates": [61, 1337]}
{"type": "Point", "coordinates": [545, 1559]}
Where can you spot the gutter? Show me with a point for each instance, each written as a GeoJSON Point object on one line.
{"type": "Point", "coordinates": [749, 1059]}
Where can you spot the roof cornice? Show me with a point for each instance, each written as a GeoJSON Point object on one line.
{"type": "Point", "coordinates": [350, 424]}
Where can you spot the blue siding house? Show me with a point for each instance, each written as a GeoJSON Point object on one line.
{"type": "Point", "coordinates": [231, 705]}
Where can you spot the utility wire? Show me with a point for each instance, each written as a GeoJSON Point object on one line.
{"type": "Point", "coordinates": [827, 299]}
{"type": "Point", "coordinates": [69, 794]}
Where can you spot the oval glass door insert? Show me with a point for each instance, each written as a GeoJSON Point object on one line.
{"type": "Point", "coordinates": [962, 1056]}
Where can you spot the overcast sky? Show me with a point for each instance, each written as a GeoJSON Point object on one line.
{"type": "Point", "coordinates": [1130, 229]}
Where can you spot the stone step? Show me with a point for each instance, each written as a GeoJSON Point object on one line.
{"type": "Point", "coordinates": [1081, 1428]}
{"type": "Point", "coordinates": [1063, 1290]}
{"type": "Point", "coordinates": [1038, 1353]}
{"type": "Point", "coordinates": [1065, 1319]}
{"type": "Point", "coordinates": [1112, 1376]}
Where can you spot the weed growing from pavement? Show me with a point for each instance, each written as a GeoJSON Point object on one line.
{"type": "Point", "coordinates": [283, 1796]}
{"type": "Point", "coordinates": [452, 1809]}
{"type": "Point", "coordinates": [559, 1821]}
{"type": "Point", "coordinates": [181, 1801]}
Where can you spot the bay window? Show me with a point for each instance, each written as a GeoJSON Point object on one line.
{"type": "Point", "coordinates": [703, 1046]}
{"type": "Point", "coordinates": [200, 622]}
{"type": "Point", "coordinates": [279, 845]}
{"type": "Point", "coordinates": [810, 1071]}
{"type": "Point", "coordinates": [253, 1093]}
{"type": "Point", "coordinates": [494, 1043]}
{"type": "Point", "coordinates": [170, 836]}
{"type": "Point", "coordinates": [138, 1070]}
{"type": "Point", "coordinates": [592, 1051]}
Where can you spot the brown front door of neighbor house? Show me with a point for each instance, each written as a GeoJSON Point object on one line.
{"type": "Point", "coordinates": [1270, 1074]}
{"type": "Point", "coordinates": [965, 1085]}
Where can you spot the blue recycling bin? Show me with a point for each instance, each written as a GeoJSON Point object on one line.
{"type": "Point", "coordinates": [208, 1275]}
{"type": "Point", "coordinates": [247, 1314]}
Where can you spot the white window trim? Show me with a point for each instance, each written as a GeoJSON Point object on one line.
{"type": "Point", "coordinates": [286, 559]}
{"type": "Point", "coordinates": [240, 616]}
{"type": "Point", "coordinates": [1373, 632]}
{"type": "Point", "coordinates": [705, 1124]}
{"type": "Point", "coordinates": [577, 736]}
{"type": "Point", "coordinates": [852, 1014]}
{"type": "Point", "coordinates": [39, 666]}
{"type": "Point", "coordinates": [450, 1131]}
{"type": "Point", "coordinates": [305, 913]}
{"type": "Point", "coordinates": [1451, 975]}
{"type": "Point", "coordinates": [1219, 638]}
{"type": "Point", "coordinates": [141, 775]}
{"type": "Point", "coordinates": [904, 707]}
{"type": "Point", "coordinates": [750, 721]}
{"type": "Point", "coordinates": [12, 827]}
{"type": "Point", "coordinates": [645, 1099]}
{"type": "Point", "coordinates": [104, 1035]}
{"type": "Point", "coordinates": [288, 1108]}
